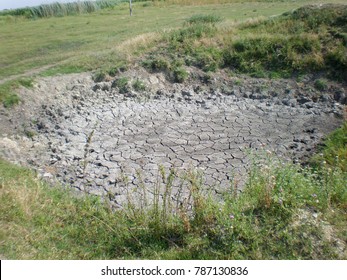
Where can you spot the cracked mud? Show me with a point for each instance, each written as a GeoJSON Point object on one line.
{"type": "Point", "coordinates": [96, 139]}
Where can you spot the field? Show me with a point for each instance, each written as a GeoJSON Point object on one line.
{"type": "Point", "coordinates": [92, 41]}
{"type": "Point", "coordinates": [286, 210]}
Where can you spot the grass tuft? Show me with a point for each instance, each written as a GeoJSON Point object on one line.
{"type": "Point", "coordinates": [204, 19]}
{"type": "Point", "coordinates": [8, 95]}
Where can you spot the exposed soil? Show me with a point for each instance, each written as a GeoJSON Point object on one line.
{"type": "Point", "coordinates": [104, 140]}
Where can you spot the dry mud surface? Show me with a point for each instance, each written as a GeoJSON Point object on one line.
{"type": "Point", "coordinates": [97, 139]}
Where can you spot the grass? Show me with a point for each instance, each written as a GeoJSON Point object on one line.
{"type": "Point", "coordinates": [285, 212]}
{"type": "Point", "coordinates": [138, 85]}
{"type": "Point", "coordinates": [308, 40]}
{"type": "Point", "coordinates": [321, 84]}
{"type": "Point", "coordinates": [122, 84]}
{"type": "Point", "coordinates": [60, 9]}
{"type": "Point", "coordinates": [8, 95]}
{"type": "Point", "coordinates": [95, 41]}
{"type": "Point", "coordinates": [334, 150]}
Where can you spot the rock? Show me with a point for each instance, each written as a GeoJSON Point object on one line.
{"type": "Point", "coordinates": [325, 98]}
{"type": "Point", "coordinates": [187, 93]}
{"type": "Point", "coordinates": [303, 99]}
{"type": "Point", "coordinates": [340, 96]}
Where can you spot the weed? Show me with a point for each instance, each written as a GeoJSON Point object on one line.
{"type": "Point", "coordinates": [180, 74]}
{"type": "Point", "coordinates": [121, 67]}
{"type": "Point", "coordinates": [321, 84]}
{"type": "Point", "coordinates": [333, 150]}
{"type": "Point", "coordinates": [139, 85]}
{"type": "Point", "coordinates": [99, 76]}
{"type": "Point", "coordinates": [156, 65]}
{"type": "Point", "coordinates": [121, 84]}
{"type": "Point", "coordinates": [30, 133]}
{"type": "Point", "coordinates": [238, 82]}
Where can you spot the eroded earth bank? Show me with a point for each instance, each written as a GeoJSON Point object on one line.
{"type": "Point", "coordinates": [107, 140]}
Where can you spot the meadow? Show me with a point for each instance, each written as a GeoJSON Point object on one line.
{"type": "Point", "coordinates": [94, 40]}
{"type": "Point", "coordinates": [286, 211]}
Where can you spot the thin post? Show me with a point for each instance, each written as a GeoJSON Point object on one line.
{"type": "Point", "coordinates": [130, 8]}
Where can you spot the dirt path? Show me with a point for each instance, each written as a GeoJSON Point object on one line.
{"type": "Point", "coordinates": [31, 72]}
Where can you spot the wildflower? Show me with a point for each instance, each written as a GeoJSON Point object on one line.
{"type": "Point", "coordinates": [232, 217]}
{"type": "Point", "coordinates": [280, 201]}
{"type": "Point", "coordinates": [314, 195]}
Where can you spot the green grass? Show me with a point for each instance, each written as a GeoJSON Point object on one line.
{"type": "Point", "coordinates": [8, 95]}
{"type": "Point", "coordinates": [138, 85]}
{"type": "Point", "coordinates": [334, 150]}
{"type": "Point", "coordinates": [307, 40]}
{"type": "Point", "coordinates": [60, 9]}
{"type": "Point", "coordinates": [285, 212]}
{"type": "Point", "coordinates": [99, 40]}
{"type": "Point", "coordinates": [122, 84]}
{"type": "Point", "coordinates": [198, 19]}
